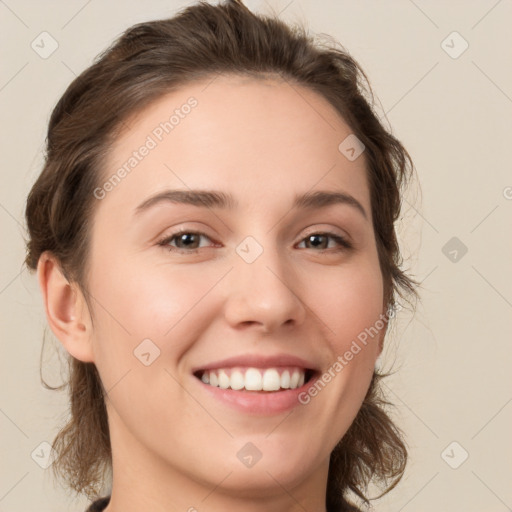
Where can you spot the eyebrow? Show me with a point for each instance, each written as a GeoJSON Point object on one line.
{"type": "Point", "coordinates": [218, 199]}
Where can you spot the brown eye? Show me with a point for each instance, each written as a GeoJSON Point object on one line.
{"type": "Point", "coordinates": [189, 240]}
{"type": "Point", "coordinates": [186, 241]}
{"type": "Point", "coordinates": [321, 241]}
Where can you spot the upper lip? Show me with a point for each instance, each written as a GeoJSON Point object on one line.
{"type": "Point", "coordinates": [258, 361]}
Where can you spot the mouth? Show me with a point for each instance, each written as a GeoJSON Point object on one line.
{"type": "Point", "coordinates": [256, 384]}
{"type": "Point", "coordinates": [254, 379]}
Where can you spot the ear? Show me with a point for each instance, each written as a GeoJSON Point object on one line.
{"type": "Point", "coordinates": [66, 310]}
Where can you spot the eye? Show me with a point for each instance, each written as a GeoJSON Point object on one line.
{"type": "Point", "coordinates": [319, 240]}
{"type": "Point", "coordinates": [186, 241]}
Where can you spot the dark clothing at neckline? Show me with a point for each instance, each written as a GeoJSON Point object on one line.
{"type": "Point", "coordinates": [99, 505]}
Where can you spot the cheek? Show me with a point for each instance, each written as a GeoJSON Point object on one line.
{"type": "Point", "coordinates": [349, 302]}
{"type": "Point", "coordinates": [351, 309]}
{"type": "Point", "coordinates": [137, 300]}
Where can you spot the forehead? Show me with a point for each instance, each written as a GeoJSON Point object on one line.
{"type": "Point", "coordinates": [246, 135]}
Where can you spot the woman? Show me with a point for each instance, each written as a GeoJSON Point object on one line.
{"type": "Point", "coordinates": [213, 233]}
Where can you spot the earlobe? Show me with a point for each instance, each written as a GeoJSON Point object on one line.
{"type": "Point", "coordinates": [66, 311]}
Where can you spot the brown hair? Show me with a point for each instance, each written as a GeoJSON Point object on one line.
{"type": "Point", "coordinates": [147, 61]}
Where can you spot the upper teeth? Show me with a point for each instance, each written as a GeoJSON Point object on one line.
{"type": "Point", "coordinates": [255, 379]}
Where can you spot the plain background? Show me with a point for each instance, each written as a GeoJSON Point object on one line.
{"type": "Point", "coordinates": [453, 114]}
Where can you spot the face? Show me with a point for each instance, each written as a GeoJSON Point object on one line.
{"type": "Point", "coordinates": [217, 324]}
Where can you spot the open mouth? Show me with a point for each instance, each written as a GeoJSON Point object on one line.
{"type": "Point", "coordinates": [256, 379]}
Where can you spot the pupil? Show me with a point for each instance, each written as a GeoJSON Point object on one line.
{"type": "Point", "coordinates": [315, 237]}
{"type": "Point", "coordinates": [187, 238]}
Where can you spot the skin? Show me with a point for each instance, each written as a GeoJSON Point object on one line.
{"type": "Point", "coordinates": [174, 447]}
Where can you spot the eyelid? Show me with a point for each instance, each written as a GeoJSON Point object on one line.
{"type": "Point", "coordinates": [327, 230]}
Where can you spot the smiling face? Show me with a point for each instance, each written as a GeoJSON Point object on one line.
{"type": "Point", "coordinates": [266, 287]}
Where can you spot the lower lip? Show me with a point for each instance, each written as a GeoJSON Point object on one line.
{"type": "Point", "coordinates": [261, 403]}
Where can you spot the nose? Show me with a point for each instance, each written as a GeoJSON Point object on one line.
{"type": "Point", "coordinates": [260, 294]}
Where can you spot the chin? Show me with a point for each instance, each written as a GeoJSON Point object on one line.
{"type": "Point", "coordinates": [262, 466]}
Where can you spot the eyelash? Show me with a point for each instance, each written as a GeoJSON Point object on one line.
{"type": "Point", "coordinates": [345, 244]}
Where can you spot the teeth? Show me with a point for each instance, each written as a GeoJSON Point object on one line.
{"type": "Point", "coordinates": [271, 380]}
{"type": "Point", "coordinates": [254, 379]}
{"type": "Point", "coordinates": [294, 380]}
{"type": "Point", "coordinates": [237, 380]}
{"type": "Point", "coordinates": [285, 380]}
{"type": "Point", "coordinates": [224, 381]}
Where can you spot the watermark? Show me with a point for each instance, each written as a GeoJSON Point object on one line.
{"type": "Point", "coordinates": [454, 45]}
{"type": "Point", "coordinates": [43, 455]}
{"type": "Point", "coordinates": [454, 455]}
{"type": "Point", "coordinates": [156, 136]}
{"type": "Point", "coordinates": [351, 147]}
{"type": "Point", "coordinates": [146, 352]}
{"type": "Point", "coordinates": [454, 249]}
{"type": "Point", "coordinates": [249, 249]}
{"type": "Point", "coordinates": [341, 361]}
{"type": "Point", "coordinates": [249, 455]}
{"type": "Point", "coordinates": [44, 45]}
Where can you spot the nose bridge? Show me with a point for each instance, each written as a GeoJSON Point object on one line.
{"type": "Point", "coordinates": [261, 290]}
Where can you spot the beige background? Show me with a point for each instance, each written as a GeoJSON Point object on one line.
{"type": "Point", "coordinates": [455, 117]}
